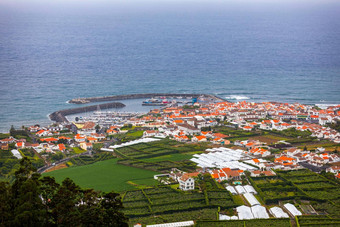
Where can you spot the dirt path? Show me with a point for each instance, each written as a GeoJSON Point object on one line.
{"type": "Point", "coordinates": [60, 166]}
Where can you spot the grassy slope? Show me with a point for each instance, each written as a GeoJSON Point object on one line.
{"type": "Point", "coordinates": [105, 176]}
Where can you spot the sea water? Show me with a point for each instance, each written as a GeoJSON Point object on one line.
{"type": "Point", "coordinates": [286, 53]}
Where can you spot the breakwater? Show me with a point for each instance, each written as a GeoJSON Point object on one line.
{"type": "Point", "coordinates": [60, 116]}
{"type": "Point", "coordinates": [139, 96]}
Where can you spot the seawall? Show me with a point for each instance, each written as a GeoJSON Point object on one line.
{"type": "Point", "coordinates": [59, 116]}
{"type": "Point", "coordinates": [139, 96]}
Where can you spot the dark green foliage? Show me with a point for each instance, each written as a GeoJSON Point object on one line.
{"type": "Point", "coordinates": [20, 134]}
{"type": "Point", "coordinates": [35, 201]}
{"type": "Point", "coordinates": [235, 134]}
{"type": "Point", "coordinates": [111, 203]}
{"type": "Point", "coordinates": [9, 164]}
{"type": "Point", "coordinates": [24, 200]}
{"type": "Point", "coordinates": [335, 126]}
{"type": "Point", "coordinates": [5, 209]}
{"type": "Point", "coordinates": [206, 129]}
{"type": "Point", "coordinates": [165, 202]}
{"type": "Point", "coordinates": [300, 185]}
{"type": "Point", "coordinates": [57, 156]}
{"type": "Point", "coordinates": [284, 222]}
{"type": "Point", "coordinates": [126, 127]}
{"type": "Point", "coordinates": [4, 135]}
{"type": "Point", "coordinates": [317, 220]}
{"type": "Point", "coordinates": [64, 141]}
{"type": "Point", "coordinates": [87, 160]}
{"type": "Point", "coordinates": [292, 132]}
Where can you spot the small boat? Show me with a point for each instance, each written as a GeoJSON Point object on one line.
{"type": "Point", "coordinates": [165, 101]}
{"type": "Point", "coordinates": [151, 101]}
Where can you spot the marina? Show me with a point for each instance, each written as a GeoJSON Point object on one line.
{"type": "Point", "coordinates": [105, 118]}
{"type": "Point", "coordinates": [128, 104]}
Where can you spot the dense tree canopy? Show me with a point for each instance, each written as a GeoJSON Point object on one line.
{"type": "Point", "coordinates": [32, 200]}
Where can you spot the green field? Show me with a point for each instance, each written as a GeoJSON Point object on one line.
{"type": "Point", "coordinates": [106, 176]}
{"type": "Point", "coordinates": [171, 205]}
{"type": "Point", "coordinates": [78, 150]}
{"type": "Point", "coordinates": [170, 157]}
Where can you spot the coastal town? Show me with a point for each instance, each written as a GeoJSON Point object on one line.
{"type": "Point", "coordinates": [239, 160]}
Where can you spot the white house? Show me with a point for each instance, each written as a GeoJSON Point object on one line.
{"type": "Point", "coordinates": [79, 138]}
{"type": "Point", "coordinates": [188, 129]}
{"type": "Point", "coordinates": [186, 183]}
{"type": "Point", "coordinates": [199, 139]}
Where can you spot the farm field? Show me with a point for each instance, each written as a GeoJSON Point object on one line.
{"type": "Point", "coordinates": [269, 139]}
{"type": "Point", "coordinates": [323, 194]}
{"type": "Point", "coordinates": [317, 221]}
{"type": "Point", "coordinates": [282, 222]}
{"type": "Point", "coordinates": [328, 145]}
{"type": "Point", "coordinates": [273, 189]}
{"type": "Point", "coordinates": [298, 185]}
{"type": "Point", "coordinates": [106, 176]}
{"type": "Point", "coordinates": [234, 133]}
{"type": "Point", "coordinates": [314, 185]}
{"type": "Point", "coordinates": [78, 150]}
{"type": "Point", "coordinates": [172, 157]}
{"type": "Point", "coordinates": [160, 155]}
{"type": "Point", "coordinates": [170, 205]}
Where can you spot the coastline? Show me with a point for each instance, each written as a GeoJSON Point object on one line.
{"type": "Point", "coordinates": [60, 116]}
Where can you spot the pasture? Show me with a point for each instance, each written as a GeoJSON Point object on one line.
{"type": "Point", "coordinates": [106, 176]}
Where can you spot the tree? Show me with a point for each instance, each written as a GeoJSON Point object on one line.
{"type": "Point", "coordinates": [64, 209]}
{"type": "Point", "coordinates": [64, 141]}
{"type": "Point", "coordinates": [26, 204]}
{"type": "Point", "coordinates": [48, 189]}
{"type": "Point", "coordinates": [112, 205]}
{"type": "Point", "coordinates": [5, 207]}
{"type": "Point", "coordinates": [11, 130]}
{"type": "Point", "coordinates": [91, 213]}
{"type": "Point", "coordinates": [97, 128]}
{"type": "Point", "coordinates": [35, 201]}
{"type": "Point", "coordinates": [56, 157]}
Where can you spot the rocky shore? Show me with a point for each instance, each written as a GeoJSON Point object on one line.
{"type": "Point", "coordinates": [138, 96]}
{"type": "Point", "coordinates": [60, 116]}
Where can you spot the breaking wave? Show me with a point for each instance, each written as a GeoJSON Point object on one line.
{"type": "Point", "coordinates": [237, 97]}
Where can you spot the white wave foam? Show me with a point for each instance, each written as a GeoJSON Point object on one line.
{"type": "Point", "coordinates": [237, 97]}
{"type": "Point", "coordinates": [325, 106]}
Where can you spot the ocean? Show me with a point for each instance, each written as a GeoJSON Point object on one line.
{"type": "Point", "coordinates": [286, 53]}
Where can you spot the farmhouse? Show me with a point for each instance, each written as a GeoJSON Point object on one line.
{"type": "Point", "coordinates": [186, 183]}
{"type": "Point", "coordinates": [85, 146]}
{"type": "Point", "coordinates": [199, 139]}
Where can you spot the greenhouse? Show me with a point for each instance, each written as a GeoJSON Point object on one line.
{"type": "Point", "coordinates": [292, 209]}
{"type": "Point", "coordinates": [244, 212]}
{"type": "Point", "coordinates": [259, 211]}
{"type": "Point", "coordinates": [278, 212]}
{"type": "Point", "coordinates": [251, 199]}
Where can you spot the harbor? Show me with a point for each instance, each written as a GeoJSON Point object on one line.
{"type": "Point", "coordinates": [134, 103]}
